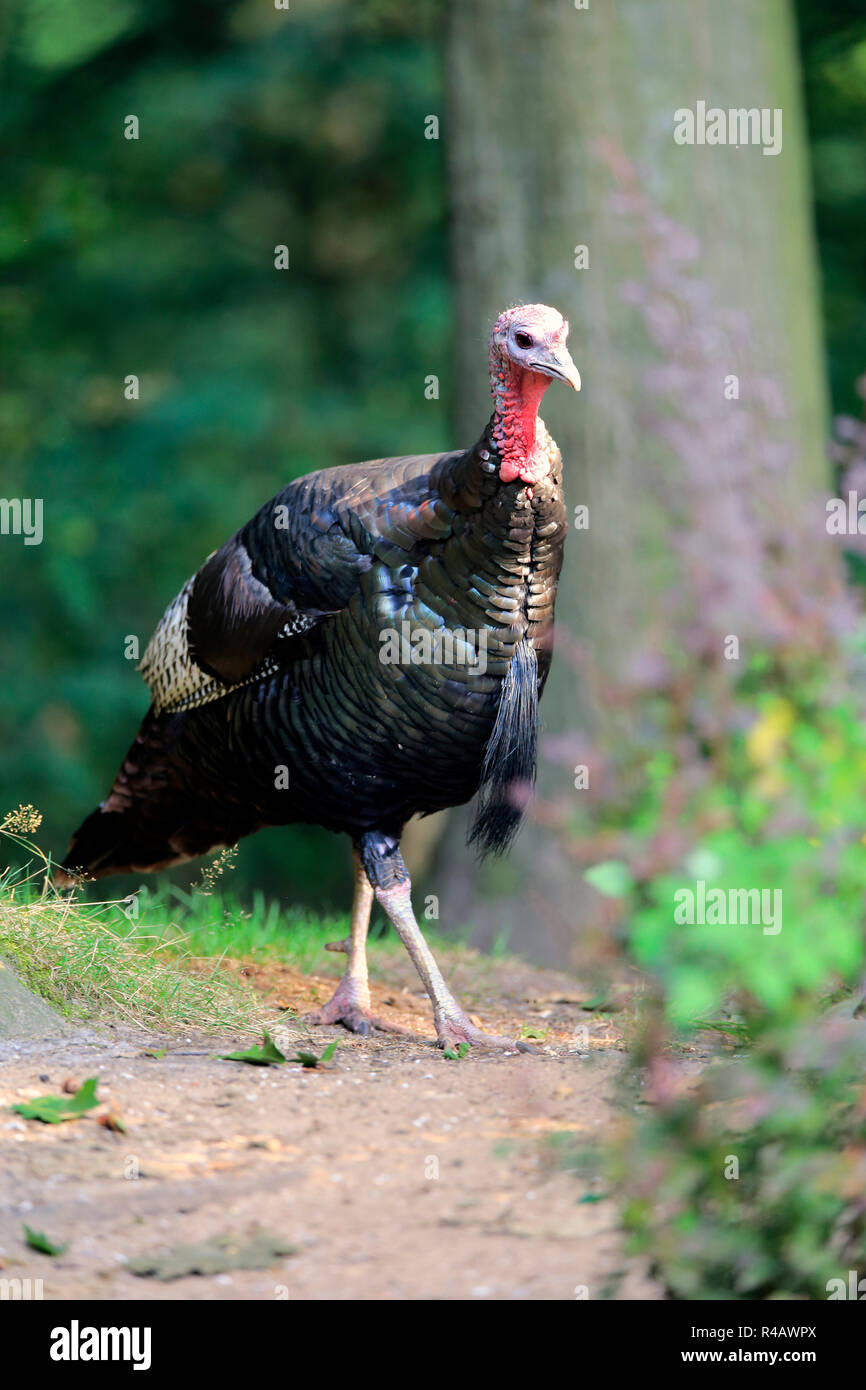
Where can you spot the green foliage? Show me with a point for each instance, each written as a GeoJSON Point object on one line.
{"type": "Point", "coordinates": [833, 48]}
{"type": "Point", "coordinates": [788, 824]}
{"type": "Point", "coordinates": [611, 878]}
{"type": "Point", "coordinates": [776, 802]}
{"type": "Point", "coordinates": [755, 1186]}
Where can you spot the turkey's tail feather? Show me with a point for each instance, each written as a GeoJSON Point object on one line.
{"type": "Point", "coordinates": [152, 817]}
{"type": "Point", "coordinates": [112, 842]}
{"type": "Point", "coordinates": [510, 759]}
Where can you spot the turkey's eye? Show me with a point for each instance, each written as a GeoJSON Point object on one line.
{"type": "Point", "coordinates": [523, 340]}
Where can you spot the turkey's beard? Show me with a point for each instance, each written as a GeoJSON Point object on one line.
{"type": "Point", "coordinates": [517, 394]}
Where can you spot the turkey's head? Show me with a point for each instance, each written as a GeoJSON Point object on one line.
{"type": "Point", "coordinates": [527, 351]}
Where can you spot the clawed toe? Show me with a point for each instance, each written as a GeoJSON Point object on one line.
{"type": "Point", "coordinates": [353, 1017]}
{"type": "Point", "coordinates": [453, 1032]}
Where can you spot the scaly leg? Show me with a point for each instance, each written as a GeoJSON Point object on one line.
{"type": "Point", "coordinates": [350, 1003]}
{"type": "Point", "coordinates": [387, 872]}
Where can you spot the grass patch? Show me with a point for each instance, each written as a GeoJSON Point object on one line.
{"type": "Point", "coordinates": [155, 957]}
{"type": "Point", "coordinates": [215, 925]}
{"type": "Point", "coordinates": [219, 924]}
{"type": "Point", "coordinates": [89, 960]}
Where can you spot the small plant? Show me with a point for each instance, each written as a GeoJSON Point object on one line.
{"type": "Point", "coordinates": [26, 820]}
{"type": "Point", "coordinates": [223, 863]}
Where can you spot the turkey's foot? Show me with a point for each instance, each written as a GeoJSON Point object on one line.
{"type": "Point", "coordinates": [454, 1030]}
{"type": "Point", "coordinates": [344, 1008]}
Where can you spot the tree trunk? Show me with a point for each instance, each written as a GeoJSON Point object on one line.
{"type": "Point", "coordinates": [701, 269]}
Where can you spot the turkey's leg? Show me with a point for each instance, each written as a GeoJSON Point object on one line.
{"type": "Point", "coordinates": [389, 875]}
{"type": "Point", "coordinates": [350, 1002]}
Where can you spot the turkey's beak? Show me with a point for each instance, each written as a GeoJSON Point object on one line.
{"type": "Point", "coordinates": [557, 364]}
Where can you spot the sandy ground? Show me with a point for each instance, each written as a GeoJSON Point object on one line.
{"type": "Point", "coordinates": [393, 1174]}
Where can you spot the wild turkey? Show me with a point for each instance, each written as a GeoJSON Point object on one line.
{"type": "Point", "coordinates": [370, 646]}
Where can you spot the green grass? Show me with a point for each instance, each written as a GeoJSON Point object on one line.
{"type": "Point", "coordinates": [154, 958]}
{"type": "Point", "coordinates": [218, 924]}
{"type": "Point", "coordinates": [96, 960]}
{"type": "Point", "coordinates": [90, 962]}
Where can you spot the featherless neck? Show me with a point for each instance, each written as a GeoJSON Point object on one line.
{"type": "Point", "coordinates": [515, 425]}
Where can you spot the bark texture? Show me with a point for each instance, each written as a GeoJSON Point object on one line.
{"type": "Point", "coordinates": [701, 268]}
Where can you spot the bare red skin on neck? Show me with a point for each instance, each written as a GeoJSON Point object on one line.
{"type": "Point", "coordinates": [517, 393]}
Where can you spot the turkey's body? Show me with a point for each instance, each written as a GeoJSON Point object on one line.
{"type": "Point", "coordinates": [348, 724]}
{"type": "Point", "coordinates": [370, 646]}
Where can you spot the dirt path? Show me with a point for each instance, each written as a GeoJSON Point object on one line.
{"type": "Point", "coordinates": [395, 1174]}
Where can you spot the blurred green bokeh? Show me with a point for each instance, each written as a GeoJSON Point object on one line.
{"type": "Point", "coordinates": [833, 53]}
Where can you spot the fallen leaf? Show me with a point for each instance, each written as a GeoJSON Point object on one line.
{"type": "Point", "coordinates": [267, 1054]}
{"type": "Point", "coordinates": [37, 1240]}
{"type": "Point", "coordinates": [214, 1256]}
{"type": "Point", "coordinates": [309, 1059]}
{"type": "Point", "coordinates": [52, 1110]}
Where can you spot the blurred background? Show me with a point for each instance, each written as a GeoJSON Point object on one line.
{"type": "Point", "coordinates": [311, 128]}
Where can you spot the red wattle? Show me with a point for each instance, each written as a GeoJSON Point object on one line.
{"type": "Point", "coordinates": [518, 395]}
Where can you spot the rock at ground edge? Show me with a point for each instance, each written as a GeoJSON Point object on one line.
{"type": "Point", "coordinates": [24, 1016]}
